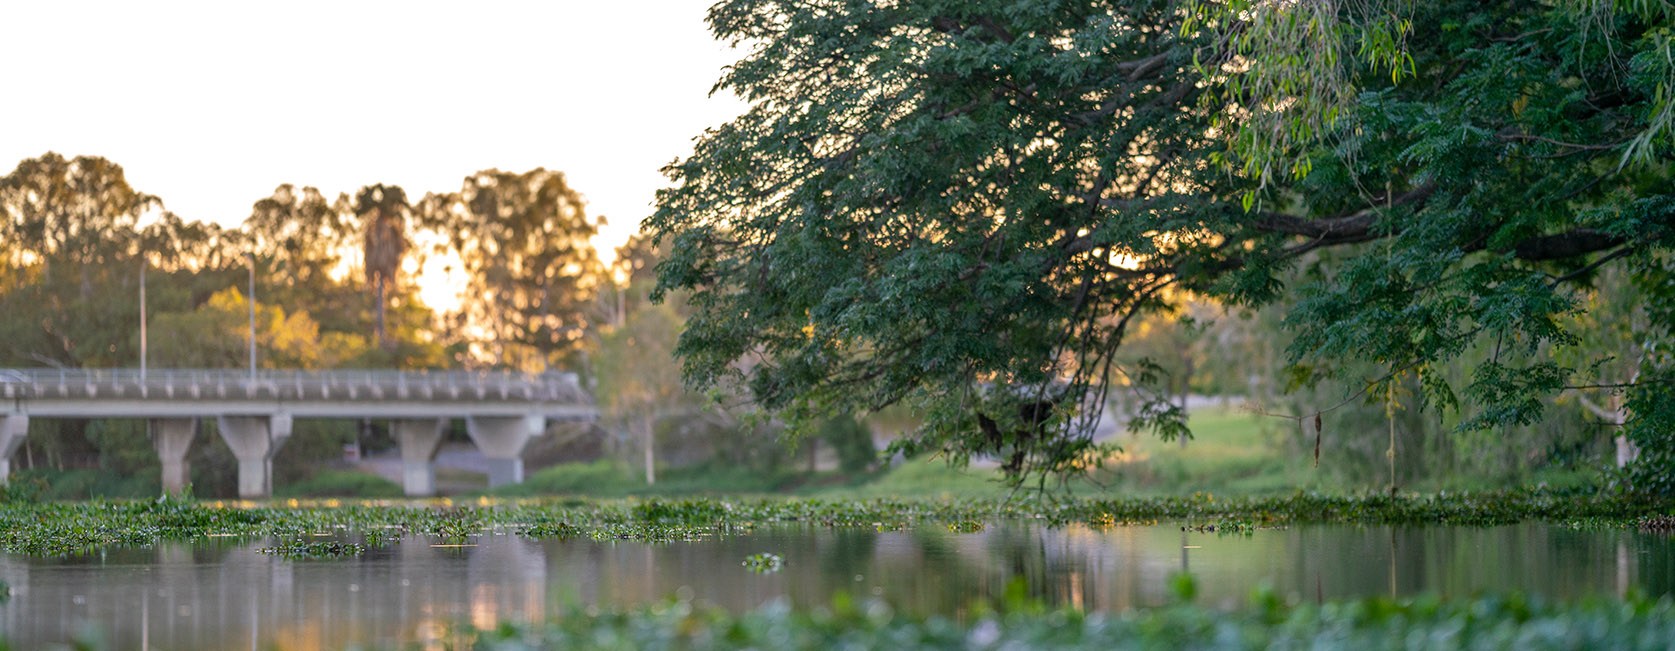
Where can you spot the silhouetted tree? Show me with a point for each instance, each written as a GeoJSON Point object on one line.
{"type": "Point", "coordinates": [525, 241]}
{"type": "Point", "coordinates": [383, 211]}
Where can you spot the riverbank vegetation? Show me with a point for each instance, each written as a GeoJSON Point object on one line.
{"type": "Point", "coordinates": [972, 208]}
{"type": "Point", "coordinates": [1266, 621]}
{"type": "Point", "coordinates": [67, 528]}
{"type": "Point", "coordinates": [1445, 264]}
{"type": "Point", "coordinates": [1502, 622]}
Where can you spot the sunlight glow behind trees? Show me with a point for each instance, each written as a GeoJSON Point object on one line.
{"type": "Point", "coordinates": [211, 104]}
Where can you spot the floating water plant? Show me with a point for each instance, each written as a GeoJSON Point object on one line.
{"type": "Point", "coordinates": [314, 549]}
{"type": "Point", "coordinates": [559, 530]}
{"type": "Point", "coordinates": [61, 529]}
{"type": "Point", "coordinates": [1510, 622]}
{"type": "Point", "coordinates": [1661, 523]}
{"type": "Point", "coordinates": [764, 562]}
{"type": "Point", "coordinates": [648, 533]}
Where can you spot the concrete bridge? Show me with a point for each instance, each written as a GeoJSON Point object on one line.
{"type": "Point", "coordinates": [254, 412]}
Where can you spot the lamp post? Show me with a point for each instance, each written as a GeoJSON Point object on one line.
{"type": "Point", "coordinates": [142, 317]}
{"type": "Point", "coordinates": [252, 317]}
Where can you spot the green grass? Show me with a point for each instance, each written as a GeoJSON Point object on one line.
{"type": "Point", "coordinates": [1229, 455]}
{"type": "Point", "coordinates": [922, 478]}
{"type": "Point", "coordinates": [82, 484]}
{"type": "Point", "coordinates": [601, 477]}
{"type": "Point", "coordinates": [341, 483]}
{"type": "Point", "coordinates": [1230, 452]}
{"type": "Point", "coordinates": [605, 478]}
{"type": "Point", "coordinates": [1233, 452]}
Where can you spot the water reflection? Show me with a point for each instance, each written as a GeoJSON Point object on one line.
{"type": "Point", "coordinates": [226, 595]}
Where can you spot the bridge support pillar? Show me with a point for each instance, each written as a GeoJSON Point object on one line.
{"type": "Point", "coordinates": [418, 438]}
{"type": "Point", "coordinates": [254, 440]}
{"type": "Point", "coordinates": [13, 429]}
{"type": "Point", "coordinates": [173, 439]}
{"type": "Point", "coordinates": [502, 440]}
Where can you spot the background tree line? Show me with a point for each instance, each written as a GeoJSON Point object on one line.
{"type": "Point", "coordinates": [335, 289]}
{"type": "Point", "coordinates": [333, 293]}
{"type": "Point", "coordinates": [334, 276]}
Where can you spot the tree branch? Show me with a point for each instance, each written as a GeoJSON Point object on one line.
{"type": "Point", "coordinates": [1357, 227]}
{"type": "Point", "coordinates": [1569, 244]}
{"type": "Point", "coordinates": [1353, 227]}
{"type": "Point", "coordinates": [1612, 417]}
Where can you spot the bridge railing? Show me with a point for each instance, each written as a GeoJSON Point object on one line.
{"type": "Point", "coordinates": [72, 383]}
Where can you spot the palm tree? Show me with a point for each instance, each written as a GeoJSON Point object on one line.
{"type": "Point", "coordinates": [383, 209]}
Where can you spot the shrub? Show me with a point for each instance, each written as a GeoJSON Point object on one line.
{"type": "Point", "coordinates": [593, 477]}
{"type": "Point", "coordinates": [341, 483]}
{"type": "Point", "coordinates": [853, 442]}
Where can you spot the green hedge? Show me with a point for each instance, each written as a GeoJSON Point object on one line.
{"type": "Point", "coordinates": [341, 483]}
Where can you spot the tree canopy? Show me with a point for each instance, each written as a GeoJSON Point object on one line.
{"type": "Point", "coordinates": [74, 237]}
{"type": "Point", "coordinates": [525, 243]}
{"type": "Point", "coordinates": [966, 205]}
{"type": "Point", "coordinates": [334, 289]}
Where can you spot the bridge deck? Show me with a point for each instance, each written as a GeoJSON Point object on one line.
{"type": "Point", "coordinates": [318, 394]}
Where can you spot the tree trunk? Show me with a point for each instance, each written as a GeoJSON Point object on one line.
{"type": "Point", "coordinates": [1615, 414]}
{"type": "Point", "coordinates": [1627, 451]}
{"type": "Point", "coordinates": [1186, 387]}
{"type": "Point", "coordinates": [648, 434]}
{"type": "Point", "coordinates": [383, 340]}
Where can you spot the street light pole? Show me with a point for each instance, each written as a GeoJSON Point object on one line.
{"type": "Point", "coordinates": [252, 316]}
{"type": "Point", "coordinates": [142, 317]}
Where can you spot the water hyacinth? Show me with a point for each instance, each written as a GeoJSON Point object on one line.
{"type": "Point", "coordinates": [1507, 622]}
{"type": "Point", "coordinates": [764, 562]}
{"type": "Point", "coordinates": [61, 529]}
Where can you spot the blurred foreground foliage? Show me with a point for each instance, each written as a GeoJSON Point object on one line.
{"type": "Point", "coordinates": [1494, 622]}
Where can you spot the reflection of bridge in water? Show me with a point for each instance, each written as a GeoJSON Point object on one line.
{"type": "Point", "coordinates": [221, 593]}
{"type": "Point", "coordinates": [253, 412]}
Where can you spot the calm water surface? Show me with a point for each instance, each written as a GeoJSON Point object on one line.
{"type": "Point", "coordinates": [232, 596]}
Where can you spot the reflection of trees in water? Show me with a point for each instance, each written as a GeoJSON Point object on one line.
{"type": "Point", "coordinates": [1020, 552]}
{"type": "Point", "coordinates": [844, 550]}
{"type": "Point", "coordinates": [391, 593]}
{"type": "Point", "coordinates": [952, 570]}
{"type": "Point", "coordinates": [1341, 561]}
{"type": "Point", "coordinates": [1128, 566]}
{"type": "Point", "coordinates": [1656, 555]}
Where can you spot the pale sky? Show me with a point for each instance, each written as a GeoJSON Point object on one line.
{"type": "Point", "coordinates": [211, 105]}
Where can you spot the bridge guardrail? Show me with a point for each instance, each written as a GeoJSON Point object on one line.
{"type": "Point", "coordinates": [71, 383]}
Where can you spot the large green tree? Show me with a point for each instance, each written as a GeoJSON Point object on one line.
{"type": "Point", "coordinates": [964, 205]}
{"type": "Point", "coordinates": [72, 249]}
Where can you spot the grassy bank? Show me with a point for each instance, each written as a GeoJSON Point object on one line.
{"type": "Point", "coordinates": [1233, 452]}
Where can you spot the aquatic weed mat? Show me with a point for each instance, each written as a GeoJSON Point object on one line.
{"type": "Point", "coordinates": [1491, 622]}
{"type": "Point", "coordinates": [68, 528]}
